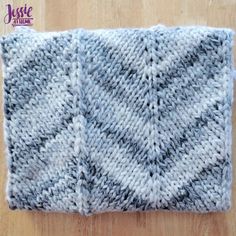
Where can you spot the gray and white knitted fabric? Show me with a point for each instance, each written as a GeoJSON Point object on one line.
{"type": "Point", "coordinates": [118, 119]}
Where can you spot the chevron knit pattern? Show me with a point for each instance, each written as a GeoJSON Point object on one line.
{"type": "Point", "coordinates": [118, 119]}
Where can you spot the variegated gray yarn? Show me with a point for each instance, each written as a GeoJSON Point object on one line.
{"type": "Point", "coordinates": [118, 120]}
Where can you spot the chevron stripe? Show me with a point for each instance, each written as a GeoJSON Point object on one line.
{"type": "Point", "coordinates": [40, 42]}
{"type": "Point", "coordinates": [196, 192]}
{"type": "Point", "coordinates": [119, 85]}
{"type": "Point", "coordinates": [59, 176]}
{"type": "Point", "coordinates": [187, 168]}
{"type": "Point", "coordinates": [187, 110]}
{"type": "Point", "coordinates": [104, 195]}
{"type": "Point", "coordinates": [172, 57]}
{"type": "Point", "coordinates": [27, 70]}
{"type": "Point", "coordinates": [46, 109]}
{"type": "Point", "coordinates": [116, 162]}
{"type": "Point", "coordinates": [177, 143]}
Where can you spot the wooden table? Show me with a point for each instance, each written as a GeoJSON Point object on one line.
{"type": "Point", "coordinates": [54, 15]}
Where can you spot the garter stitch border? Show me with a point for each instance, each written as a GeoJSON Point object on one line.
{"type": "Point", "coordinates": [118, 119]}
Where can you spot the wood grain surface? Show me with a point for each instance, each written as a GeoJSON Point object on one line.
{"type": "Point", "coordinates": [55, 15]}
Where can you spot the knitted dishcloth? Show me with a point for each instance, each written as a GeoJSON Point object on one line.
{"type": "Point", "coordinates": [118, 119]}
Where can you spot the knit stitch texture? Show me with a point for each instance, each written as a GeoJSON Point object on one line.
{"type": "Point", "coordinates": [118, 119]}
